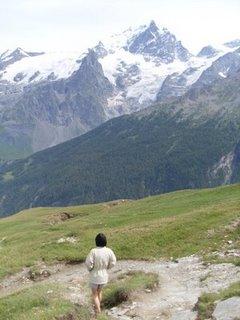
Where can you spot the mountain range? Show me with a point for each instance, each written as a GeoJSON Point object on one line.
{"type": "Point", "coordinates": [135, 116]}
{"type": "Point", "coordinates": [49, 98]}
{"type": "Point", "coordinates": [192, 141]}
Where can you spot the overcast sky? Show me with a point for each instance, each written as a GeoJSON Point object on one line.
{"type": "Point", "coordinates": [51, 25]}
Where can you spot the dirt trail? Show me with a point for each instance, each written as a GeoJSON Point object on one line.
{"type": "Point", "coordinates": [181, 283]}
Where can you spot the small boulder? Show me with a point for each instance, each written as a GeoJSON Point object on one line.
{"type": "Point", "coordinates": [228, 309]}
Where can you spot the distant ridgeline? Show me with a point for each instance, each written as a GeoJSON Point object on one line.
{"type": "Point", "coordinates": [190, 142]}
{"type": "Point", "coordinates": [49, 98]}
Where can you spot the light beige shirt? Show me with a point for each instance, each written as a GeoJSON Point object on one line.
{"type": "Point", "coordinates": [99, 260]}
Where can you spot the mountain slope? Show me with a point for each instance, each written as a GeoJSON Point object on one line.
{"type": "Point", "coordinates": [177, 84]}
{"type": "Point", "coordinates": [52, 112]}
{"type": "Point", "coordinates": [41, 105]}
{"type": "Point", "coordinates": [157, 43]}
{"type": "Point", "coordinates": [173, 220]}
{"type": "Point", "coordinates": [177, 232]}
{"type": "Point", "coordinates": [189, 143]}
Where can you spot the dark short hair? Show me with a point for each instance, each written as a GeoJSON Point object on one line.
{"type": "Point", "coordinates": [101, 240]}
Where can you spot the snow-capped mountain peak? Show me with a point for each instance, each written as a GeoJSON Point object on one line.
{"type": "Point", "coordinates": [121, 40]}
{"type": "Point", "coordinates": [139, 56]}
{"type": "Point", "coordinates": [26, 67]}
{"type": "Point", "coordinates": [158, 43]}
{"type": "Point", "coordinates": [79, 90]}
{"type": "Point", "coordinates": [100, 50]}
{"type": "Point", "coordinates": [9, 57]}
{"type": "Point", "coordinates": [19, 51]}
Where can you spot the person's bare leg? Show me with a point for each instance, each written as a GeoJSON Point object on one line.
{"type": "Point", "coordinates": [100, 295]}
{"type": "Point", "coordinates": [96, 301]}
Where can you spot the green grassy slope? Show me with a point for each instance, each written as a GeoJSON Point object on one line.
{"type": "Point", "coordinates": [171, 225]}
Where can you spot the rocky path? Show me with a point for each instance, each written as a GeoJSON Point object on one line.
{"type": "Point", "coordinates": [181, 283]}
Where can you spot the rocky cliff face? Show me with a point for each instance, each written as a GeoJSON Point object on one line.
{"type": "Point", "coordinates": [158, 43]}
{"type": "Point", "coordinates": [208, 52]}
{"type": "Point", "coordinates": [177, 84]}
{"type": "Point", "coordinates": [52, 112]}
{"type": "Point", "coordinates": [223, 67]}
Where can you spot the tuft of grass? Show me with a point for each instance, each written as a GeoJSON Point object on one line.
{"type": "Point", "coordinates": [121, 290]}
{"type": "Point", "coordinates": [171, 225]}
{"type": "Point", "coordinates": [216, 260]}
{"type": "Point", "coordinates": [207, 302]}
{"type": "Point", "coordinates": [103, 316]}
{"type": "Point", "coordinates": [40, 302]}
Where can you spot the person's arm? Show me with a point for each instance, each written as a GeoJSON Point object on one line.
{"type": "Point", "coordinates": [90, 261]}
{"type": "Point", "coordinates": [112, 260]}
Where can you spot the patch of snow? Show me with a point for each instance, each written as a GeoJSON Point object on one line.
{"type": "Point", "coordinates": [7, 58]}
{"type": "Point", "coordinates": [221, 74]}
{"type": "Point", "coordinates": [152, 73]}
{"type": "Point", "coordinates": [62, 64]}
{"type": "Point", "coordinates": [120, 40]}
{"type": "Point", "coordinates": [201, 64]}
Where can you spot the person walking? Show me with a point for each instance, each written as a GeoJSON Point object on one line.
{"type": "Point", "coordinates": [98, 261]}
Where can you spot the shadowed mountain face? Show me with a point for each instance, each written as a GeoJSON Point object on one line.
{"type": "Point", "coordinates": [189, 143]}
{"type": "Point", "coordinates": [225, 66]}
{"type": "Point", "coordinates": [208, 52]}
{"type": "Point", "coordinates": [177, 84]}
{"type": "Point", "coordinates": [158, 43]}
{"type": "Point", "coordinates": [51, 112]}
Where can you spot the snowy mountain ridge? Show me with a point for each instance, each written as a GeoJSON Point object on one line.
{"type": "Point", "coordinates": [65, 94]}
{"type": "Point", "coordinates": [130, 46]}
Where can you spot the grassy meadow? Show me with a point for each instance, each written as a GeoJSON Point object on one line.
{"type": "Point", "coordinates": [39, 302]}
{"type": "Point", "coordinates": [48, 301]}
{"type": "Point", "coordinates": [171, 225]}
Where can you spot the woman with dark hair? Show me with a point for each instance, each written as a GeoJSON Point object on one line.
{"type": "Point", "coordinates": [99, 260]}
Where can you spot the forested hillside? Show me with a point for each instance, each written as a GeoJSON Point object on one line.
{"type": "Point", "coordinates": [190, 143]}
